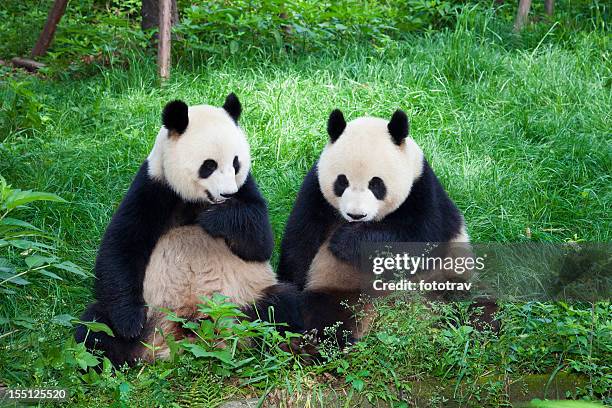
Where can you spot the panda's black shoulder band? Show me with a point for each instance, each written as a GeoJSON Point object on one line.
{"type": "Point", "coordinates": [307, 227]}
{"type": "Point", "coordinates": [126, 247]}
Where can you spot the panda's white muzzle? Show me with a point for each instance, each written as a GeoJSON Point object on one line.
{"type": "Point", "coordinates": [220, 186]}
{"type": "Point", "coordinates": [358, 205]}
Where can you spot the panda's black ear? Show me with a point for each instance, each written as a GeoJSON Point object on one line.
{"type": "Point", "coordinates": [175, 116]}
{"type": "Point", "coordinates": [335, 125]}
{"type": "Point", "coordinates": [232, 106]}
{"type": "Point", "coordinates": [398, 126]}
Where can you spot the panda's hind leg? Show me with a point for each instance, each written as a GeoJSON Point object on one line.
{"type": "Point", "coordinates": [119, 350]}
{"type": "Point", "coordinates": [280, 304]}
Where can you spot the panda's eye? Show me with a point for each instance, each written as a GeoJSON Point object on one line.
{"type": "Point", "coordinates": [377, 187]}
{"type": "Point", "coordinates": [207, 168]}
{"type": "Point", "coordinates": [236, 164]}
{"type": "Point", "coordinates": [340, 185]}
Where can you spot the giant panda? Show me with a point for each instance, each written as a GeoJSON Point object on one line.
{"type": "Point", "coordinates": [370, 184]}
{"type": "Point", "coordinates": [192, 223]}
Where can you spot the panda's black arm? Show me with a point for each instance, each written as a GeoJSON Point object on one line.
{"type": "Point", "coordinates": [243, 222]}
{"type": "Point", "coordinates": [125, 251]}
{"type": "Point", "coordinates": [346, 241]}
{"type": "Point", "coordinates": [307, 227]}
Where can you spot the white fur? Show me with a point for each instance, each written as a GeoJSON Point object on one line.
{"type": "Point", "coordinates": [462, 236]}
{"type": "Point", "coordinates": [363, 151]}
{"type": "Point", "coordinates": [211, 134]}
{"type": "Point", "coordinates": [187, 264]}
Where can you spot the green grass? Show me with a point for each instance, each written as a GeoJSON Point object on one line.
{"type": "Point", "coordinates": [518, 132]}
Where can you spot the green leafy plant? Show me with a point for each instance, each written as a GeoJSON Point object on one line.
{"type": "Point", "coordinates": [231, 342]}
{"type": "Point", "coordinates": [20, 107]}
{"type": "Point", "coordinates": [303, 24]}
{"type": "Point", "coordinates": [27, 243]}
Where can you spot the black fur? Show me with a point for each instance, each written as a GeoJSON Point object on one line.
{"type": "Point", "coordinates": [328, 311]}
{"type": "Point", "coordinates": [118, 349]}
{"type": "Point", "coordinates": [149, 209]}
{"type": "Point", "coordinates": [309, 223]}
{"type": "Point", "coordinates": [232, 106]}
{"type": "Point", "coordinates": [281, 304]}
{"type": "Point", "coordinates": [335, 124]}
{"type": "Point", "coordinates": [378, 188]}
{"type": "Point", "coordinates": [243, 222]}
{"type": "Point", "coordinates": [207, 168]}
{"type": "Point", "coordinates": [236, 165]}
{"type": "Point", "coordinates": [340, 185]}
{"type": "Point", "coordinates": [175, 116]}
{"type": "Point", "coordinates": [398, 127]}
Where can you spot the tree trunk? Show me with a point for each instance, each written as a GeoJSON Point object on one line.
{"type": "Point", "coordinates": [163, 50]}
{"type": "Point", "coordinates": [46, 36]}
{"type": "Point", "coordinates": [522, 14]}
{"type": "Point", "coordinates": [150, 14]}
{"type": "Point", "coordinates": [549, 7]}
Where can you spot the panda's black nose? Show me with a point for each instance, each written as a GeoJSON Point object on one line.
{"type": "Point", "coordinates": [356, 216]}
{"type": "Point", "coordinates": [227, 195]}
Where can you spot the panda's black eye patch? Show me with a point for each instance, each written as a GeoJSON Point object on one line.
{"type": "Point", "coordinates": [340, 185]}
{"type": "Point", "coordinates": [207, 168]}
{"type": "Point", "coordinates": [236, 164]}
{"type": "Point", "coordinates": [378, 188]}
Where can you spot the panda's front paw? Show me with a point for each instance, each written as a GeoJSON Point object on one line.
{"type": "Point", "coordinates": [212, 221]}
{"type": "Point", "coordinates": [345, 243]}
{"type": "Point", "coordinates": [128, 320]}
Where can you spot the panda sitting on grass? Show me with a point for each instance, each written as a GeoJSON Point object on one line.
{"type": "Point", "coordinates": [192, 223]}
{"type": "Point", "coordinates": [370, 184]}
